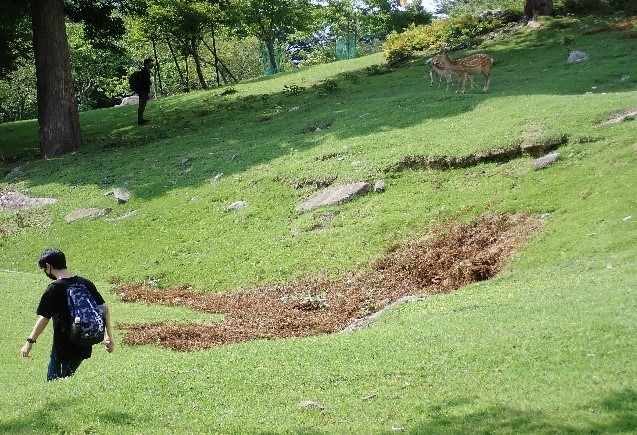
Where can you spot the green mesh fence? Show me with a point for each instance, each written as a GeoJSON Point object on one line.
{"type": "Point", "coordinates": [346, 47]}
{"type": "Point", "coordinates": [268, 69]}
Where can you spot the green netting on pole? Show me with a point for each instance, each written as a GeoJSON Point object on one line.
{"type": "Point", "coordinates": [346, 47]}
{"type": "Point", "coordinates": [265, 59]}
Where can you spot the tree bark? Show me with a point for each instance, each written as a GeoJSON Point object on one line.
{"type": "Point", "coordinates": [58, 117]}
{"type": "Point", "coordinates": [536, 8]}
{"type": "Point", "coordinates": [195, 55]}
{"type": "Point", "coordinates": [157, 69]}
{"type": "Point", "coordinates": [182, 79]}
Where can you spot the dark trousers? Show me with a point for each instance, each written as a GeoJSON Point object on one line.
{"type": "Point", "coordinates": [61, 369]}
{"type": "Point", "coordinates": [143, 100]}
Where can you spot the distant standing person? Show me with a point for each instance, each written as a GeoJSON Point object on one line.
{"type": "Point", "coordinates": [66, 356]}
{"type": "Point", "coordinates": [144, 90]}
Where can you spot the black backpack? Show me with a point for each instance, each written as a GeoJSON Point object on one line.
{"type": "Point", "coordinates": [135, 81]}
{"type": "Point", "coordinates": [86, 323]}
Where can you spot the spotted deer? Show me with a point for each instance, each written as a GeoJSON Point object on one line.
{"type": "Point", "coordinates": [466, 67]}
{"type": "Point", "coordinates": [437, 68]}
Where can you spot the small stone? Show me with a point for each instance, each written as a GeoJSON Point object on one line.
{"type": "Point", "coordinates": [122, 195]}
{"type": "Point", "coordinates": [237, 205]}
{"type": "Point", "coordinates": [122, 217]}
{"type": "Point", "coordinates": [311, 404]}
{"type": "Point", "coordinates": [576, 56]}
{"type": "Point", "coordinates": [380, 186]}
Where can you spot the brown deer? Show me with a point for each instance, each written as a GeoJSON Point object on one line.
{"type": "Point", "coordinates": [438, 68]}
{"type": "Point", "coordinates": [466, 67]}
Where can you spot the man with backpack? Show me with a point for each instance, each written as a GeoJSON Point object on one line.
{"type": "Point", "coordinates": [143, 90]}
{"type": "Point", "coordinates": [80, 316]}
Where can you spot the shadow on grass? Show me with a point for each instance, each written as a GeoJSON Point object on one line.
{"type": "Point", "coordinates": [44, 420]}
{"type": "Point", "coordinates": [616, 413]}
{"type": "Point", "coordinates": [247, 130]}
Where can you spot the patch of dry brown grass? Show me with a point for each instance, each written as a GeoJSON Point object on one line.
{"type": "Point", "coordinates": [451, 256]}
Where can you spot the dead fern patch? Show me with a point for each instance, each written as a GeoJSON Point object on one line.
{"type": "Point", "coordinates": [451, 256]}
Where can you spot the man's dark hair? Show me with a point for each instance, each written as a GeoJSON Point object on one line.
{"type": "Point", "coordinates": [147, 61]}
{"type": "Point", "coordinates": [54, 257]}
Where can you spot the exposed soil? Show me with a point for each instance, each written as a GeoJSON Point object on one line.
{"type": "Point", "coordinates": [451, 256]}
{"type": "Point", "coordinates": [527, 147]}
{"type": "Point", "coordinates": [620, 117]}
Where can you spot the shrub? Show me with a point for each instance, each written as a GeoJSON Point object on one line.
{"type": "Point", "coordinates": [400, 47]}
{"type": "Point", "coordinates": [320, 55]}
{"type": "Point", "coordinates": [327, 86]}
{"type": "Point", "coordinates": [451, 34]}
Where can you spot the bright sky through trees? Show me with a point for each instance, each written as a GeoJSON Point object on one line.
{"type": "Point", "coordinates": [429, 5]}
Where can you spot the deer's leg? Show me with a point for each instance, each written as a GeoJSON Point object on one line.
{"type": "Point", "coordinates": [487, 76]}
{"type": "Point", "coordinates": [464, 81]}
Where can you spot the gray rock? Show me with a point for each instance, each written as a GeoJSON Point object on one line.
{"type": "Point", "coordinates": [380, 186]}
{"type": "Point", "coordinates": [132, 100]}
{"type": "Point", "coordinates": [16, 201]}
{"type": "Point", "coordinates": [546, 160]}
{"type": "Point", "coordinates": [237, 205]}
{"type": "Point", "coordinates": [122, 217]}
{"type": "Point", "coordinates": [311, 404]}
{"type": "Point", "coordinates": [576, 56]}
{"type": "Point", "coordinates": [334, 195]}
{"type": "Point", "coordinates": [121, 195]}
{"type": "Point", "coordinates": [15, 171]}
{"type": "Point", "coordinates": [366, 321]}
{"type": "Point", "coordinates": [491, 13]}
{"type": "Point", "coordinates": [83, 213]}
{"type": "Point", "coordinates": [216, 177]}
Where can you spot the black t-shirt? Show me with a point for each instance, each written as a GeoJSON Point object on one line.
{"type": "Point", "coordinates": [53, 304]}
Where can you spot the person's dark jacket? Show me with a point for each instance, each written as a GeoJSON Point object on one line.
{"type": "Point", "coordinates": [145, 82]}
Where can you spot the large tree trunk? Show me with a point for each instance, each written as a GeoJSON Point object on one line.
{"type": "Point", "coordinates": [57, 109]}
{"type": "Point", "coordinates": [536, 8]}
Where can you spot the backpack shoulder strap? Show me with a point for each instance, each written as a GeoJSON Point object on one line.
{"type": "Point", "coordinates": [66, 284]}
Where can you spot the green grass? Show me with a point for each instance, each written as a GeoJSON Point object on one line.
{"type": "Point", "coordinates": [546, 347]}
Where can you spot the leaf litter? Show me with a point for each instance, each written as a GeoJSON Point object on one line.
{"type": "Point", "coordinates": [449, 257]}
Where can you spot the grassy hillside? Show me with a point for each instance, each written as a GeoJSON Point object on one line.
{"type": "Point", "coordinates": [545, 347]}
